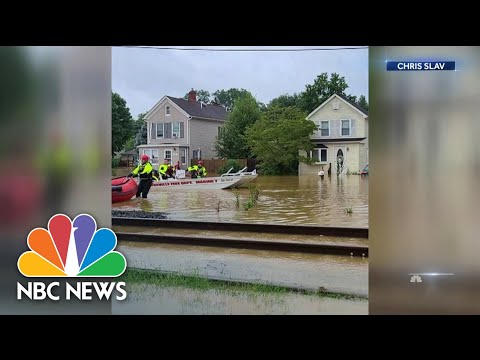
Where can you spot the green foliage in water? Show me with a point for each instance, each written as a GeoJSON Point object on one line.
{"type": "Point", "coordinates": [237, 198]}
{"type": "Point", "coordinates": [247, 205]}
{"type": "Point", "coordinates": [254, 193]}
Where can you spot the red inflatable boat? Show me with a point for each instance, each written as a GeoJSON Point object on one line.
{"type": "Point", "coordinates": [123, 189]}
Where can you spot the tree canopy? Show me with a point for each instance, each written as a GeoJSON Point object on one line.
{"type": "Point", "coordinates": [278, 136]}
{"type": "Point", "coordinates": [202, 95]}
{"type": "Point", "coordinates": [122, 123]}
{"type": "Point", "coordinates": [231, 142]}
{"type": "Point", "coordinates": [362, 102]}
{"type": "Point", "coordinates": [314, 94]}
{"type": "Point", "coordinates": [228, 97]}
{"type": "Point", "coordinates": [285, 100]}
{"type": "Point", "coordinates": [141, 130]}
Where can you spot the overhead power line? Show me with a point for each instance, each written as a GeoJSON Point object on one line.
{"type": "Point", "coordinates": [245, 50]}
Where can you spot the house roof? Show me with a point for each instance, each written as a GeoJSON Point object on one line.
{"type": "Point", "coordinates": [344, 99]}
{"type": "Point", "coordinates": [196, 109]}
{"type": "Point", "coordinates": [359, 108]}
{"type": "Point", "coordinates": [129, 152]}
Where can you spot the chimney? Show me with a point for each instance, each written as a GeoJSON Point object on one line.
{"type": "Point", "coordinates": [192, 96]}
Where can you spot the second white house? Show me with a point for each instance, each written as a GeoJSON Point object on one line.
{"type": "Point", "coordinates": [341, 138]}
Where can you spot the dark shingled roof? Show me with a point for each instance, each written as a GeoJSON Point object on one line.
{"type": "Point", "coordinates": [353, 104]}
{"type": "Point", "coordinates": [129, 152]}
{"type": "Point", "coordinates": [211, 111]}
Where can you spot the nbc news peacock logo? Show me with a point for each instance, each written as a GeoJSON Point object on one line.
{"type": "Point", "coordinates": [71, 249]}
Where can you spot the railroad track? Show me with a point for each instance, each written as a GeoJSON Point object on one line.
{"type": "Point", "coordinates": [256, 244]}
{"type": "Point", "coordinates": [350, 232]}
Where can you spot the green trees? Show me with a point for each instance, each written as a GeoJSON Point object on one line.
{"type": "Point", "coordinates": [228, 97]}
{"type": "Point", "coordinates": [314, 94]}
{"type": "Point", "coordinates": [285, 100]}
{"type": "Point", "coordinates": [141, 133]}
{"type": "Point", "coordinates": [321, 89]}
{"type": "Point", "coordinates": [122, 123]}
{"type": "Point", "coordinates": [277, 137]}
{"type": "Point", "coordinates": [231, 142]}
{"type": "Point", "coordinates": [202, 95]}
{"type": "Point", "coordinates": [362, 102]}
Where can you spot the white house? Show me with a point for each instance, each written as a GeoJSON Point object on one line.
{"type": "Point", "coordinates": [341, 139]}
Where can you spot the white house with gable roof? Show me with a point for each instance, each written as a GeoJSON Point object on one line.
{"type": "Point", "coordinates": [341, 138]}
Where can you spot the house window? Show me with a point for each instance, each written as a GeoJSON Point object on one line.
{"type": "Point", "coordinates": [325, 128]}
{"type": "Point", "coordinates": [147, 152]}
{"type": "Point", "coordinates": [160, 130]}
{"type": "Point", "coordinates": [346, 127]}
{"type": "Point", "coordinates": [323, 155]}
{"type": "Point", "coordinates": [167, 110]}
{"type": "Point", "coordinates": [153, 131]}
{"type": "Point", "coordinates": [176, 130]}
{"type": "Point", "coordinates": [319, 155]}
{"type": "Point", "coordinates": [197, 154]}
{"type": "Point", "coordinates": [154, 158]}
{"type": "Point", "coordinates": [168, 155]}
{"type": "Point", "coordinates": [184, 156]}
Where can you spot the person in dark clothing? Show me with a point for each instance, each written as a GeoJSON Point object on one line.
{"type": "Point", "coordinates": [146, 175]}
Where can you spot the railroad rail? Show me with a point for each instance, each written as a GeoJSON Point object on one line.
{"type": "Point", "coordinates": [290, 246]}
{"type": "Point", "coordinates": [352, 232]}
{"type": "Point", "coordinates": [257, 244]}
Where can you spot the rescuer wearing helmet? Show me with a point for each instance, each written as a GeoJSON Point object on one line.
{"type": "Point", "coordinates": [146, 175]}
{"type": "Point", "coordinates": [166, 170]}
{"type": "Point", "coordinates": [198, 170]}
{"type": "Point", "coordinates": [202, 172]}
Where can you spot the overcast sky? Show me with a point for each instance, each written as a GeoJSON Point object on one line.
{"type": "Point", "coordinates": [144, 76]}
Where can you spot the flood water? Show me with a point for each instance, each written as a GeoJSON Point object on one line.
{"type": "Point", "coordinates": [340, 274]}
{"type": "Point", "coordinates": [306, 200]}
{"type": "Point", "coordinates": [145, 299]}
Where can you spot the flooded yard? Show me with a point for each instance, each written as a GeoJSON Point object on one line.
{"type": "Point", "coordinates": [303, 200]}
{"type": "Point", "coordinates": [147, 299]}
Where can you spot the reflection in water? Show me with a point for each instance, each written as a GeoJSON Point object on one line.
{"type": "Point", "coordinates": [305, 200]}
{"type": "Point", "coordinates": [145, 299]}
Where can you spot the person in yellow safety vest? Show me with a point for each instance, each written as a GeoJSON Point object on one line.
{"type": "Point", "coordinates": [166, 170]}
{"type": "Point", "coordinates": [202, 171]}
{"type": "Point", "coordinates": [146, 175]}
{"type": "Point", "coordinates": [198, 171]}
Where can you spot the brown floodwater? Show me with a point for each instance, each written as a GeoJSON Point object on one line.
{"type": "Point", "coordinates": [146, 299]}
{"type": "Point", "coordinates": [306, 200]}
{"type": "Point", "coordinates": [341, 274]}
